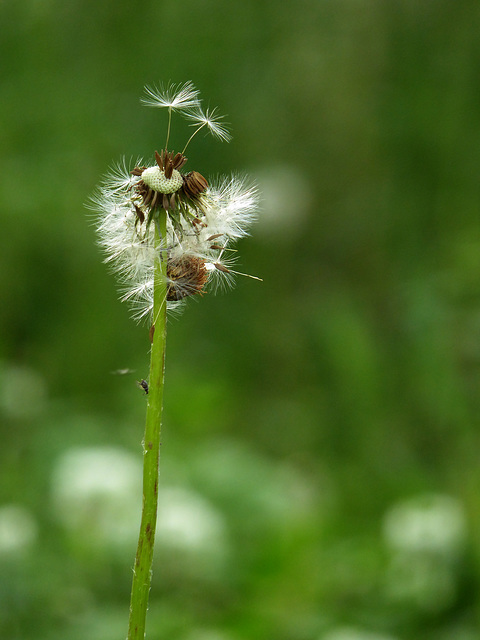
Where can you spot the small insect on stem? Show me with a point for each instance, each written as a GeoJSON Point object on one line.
{"type": "Point", "coordinates": [143, 384]}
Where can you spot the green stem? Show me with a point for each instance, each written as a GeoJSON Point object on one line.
{"type": "Point", "coordinates": [142, 573]}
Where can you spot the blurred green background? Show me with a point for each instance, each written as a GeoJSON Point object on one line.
{"type": "Point", "coordinates": [320, 460]}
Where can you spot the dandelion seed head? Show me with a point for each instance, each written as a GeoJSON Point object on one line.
{"type": "Point", "coordinates": [203, 219]}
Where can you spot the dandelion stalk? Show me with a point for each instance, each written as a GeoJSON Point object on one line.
{"type": "Point", "coordinates": [165, 233]}
{"type": "Point", "coordinates": [142, 573]}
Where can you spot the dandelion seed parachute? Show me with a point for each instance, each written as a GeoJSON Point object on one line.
{"type": "Point", "coordinates": [175, 97]}
{"type": "Point", "coordinates": [203, 220]}
{"type": "Point", "coordinates": [212, 120]}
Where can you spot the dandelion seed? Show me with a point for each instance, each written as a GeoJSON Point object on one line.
{"type": "Point", "coordinates": [210, 119]}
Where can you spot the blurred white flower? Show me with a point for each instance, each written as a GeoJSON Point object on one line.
{"type": "Point", "coordinates": [426, 535]}
{"type": "Point", "coordinates": [18, 529]}
{"type": "Point", "coordinates": [191, 531]}
{"type": "Point", "coordinates": [426, 523]}
{"type": "Point", "coordinates": [350, 633]}
{"type": "Point", "coordinates": [203, 221]}
{"type": "Point", "coordinates": [96, 495]}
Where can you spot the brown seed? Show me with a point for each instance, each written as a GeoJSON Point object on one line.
{"type": "Point", "coordinates": [179, 161]}
{"type": "Point", "coordinates": [158, 159]}
{"type": "Point", "coordinates": [194, 184]}
{"type": "Point", "coordinates": [140, 214]}
{"type": "Point", "coordinates": [220, 267]}
{"type": "Point", "coordinates": [187, 276]}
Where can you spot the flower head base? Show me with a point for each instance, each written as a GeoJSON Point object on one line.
{"type": "Point", "coordinates": [203, 220]}
{"type": "Point", "coordinates": [165, 178]}
{"type": "Point", "coordinates": [156, 179]}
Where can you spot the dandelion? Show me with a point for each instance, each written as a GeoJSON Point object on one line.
{"type": "Point", "coordinates": [202, 223]}
{"type": "Point", "coordinates": [168, 235]}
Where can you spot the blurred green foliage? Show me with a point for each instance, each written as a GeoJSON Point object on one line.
{"type": "Point", "coordinates": [320, 454]}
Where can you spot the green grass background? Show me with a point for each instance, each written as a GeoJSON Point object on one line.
{"type": "Point", "coordinates": [320, 456]}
